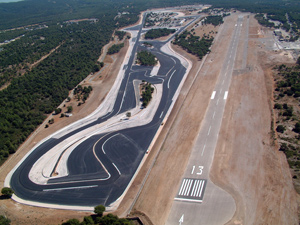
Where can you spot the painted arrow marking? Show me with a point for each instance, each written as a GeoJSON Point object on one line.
{"type": "Point", "coordinates": [181, 219]}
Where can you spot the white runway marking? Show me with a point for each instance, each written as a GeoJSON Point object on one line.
{"type": "Point", "coordinates": [214, 114]}
{"type": "Point", "coordinates": [203, 150]}
{"type": "Point", "coordinates": [191, 190]}
{"type": "Point", "coordinates": [226, 94]}
{"type": "Point", "coordinates": [218, 102]}
{"type": "Point", "coordinates": [68, 188]}
{"type": "Point", "coordinates": [188, 200]}
{"type": "Point", "coordinates": [223, 82]}
{"type": "Point", "coordinates": [208, 131]}
{"type": "Point", "coordinates": [180, 192]}
{"type": "Point", "coordinates": [213, 95]}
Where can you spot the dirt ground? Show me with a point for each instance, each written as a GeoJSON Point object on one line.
{"type": "Point", "coordinates": [247, 162]}
{"type": "Point", "coordinates": [22, 214]}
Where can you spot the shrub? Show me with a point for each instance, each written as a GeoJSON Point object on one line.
{"type": "Point", "coordinates": [7, 192]}
{"type": "Point", "coordinates": [280, 128]}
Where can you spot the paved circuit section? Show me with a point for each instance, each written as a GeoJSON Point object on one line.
{"type": "Point", "coordinates": [208, 204]}
{"type": "Point", "coordinates": [101, 166]}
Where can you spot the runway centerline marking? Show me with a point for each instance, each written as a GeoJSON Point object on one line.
{"type": "Point", "coordinates": [213, 95]}
{"type": "Point", "coordinates": [218, 102]}
{"type": "Point", "coordinates": [226, 94]}
{"type": "Point", "coordinates": [203, 149]}
{"type": "Point", "coordinates": [214, 114]}
{"type": "Point", "coordinates": [208, 131]}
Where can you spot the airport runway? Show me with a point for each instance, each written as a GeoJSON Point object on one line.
{"type": "Point", "coordinates": [101, 167]}
{"type": "Point", "coordinates": [198, 200]}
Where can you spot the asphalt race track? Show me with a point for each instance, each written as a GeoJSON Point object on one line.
{"type": "Point", "coordinates": [101, 167]}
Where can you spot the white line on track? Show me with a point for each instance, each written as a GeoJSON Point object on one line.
{"type": "Point", "coordinates": [170, 78]}
{"type": "Point", "coordinates": [107, 141]}
{"type": "Point", "coordinates": [226, 94]}
{"type": "Point", "coordinates": [117, 168]}
{"type": "Point", "coordinates": [213, 95]}
{"type": "Point", "coordinates": [161, 114]}
{"type": "Point", "coordinates": [68, 188]}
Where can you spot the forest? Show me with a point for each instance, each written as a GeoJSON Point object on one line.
{"type": "Point", "coordinates": [157, 33]}
{"type": "Point", "coordinates": [194, 44]}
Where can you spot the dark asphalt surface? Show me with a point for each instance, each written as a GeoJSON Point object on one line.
{"type": "Point", "coordinates": [124, 149]}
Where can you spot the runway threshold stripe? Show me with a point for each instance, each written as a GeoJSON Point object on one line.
{"type": "Point", "coordinates": [187, 186]}
{"type": "Point", "coordinates": [190, 186]}
{"type": "Point", "coordinates": [182, 186]}
{"type": "Point", "coordinates": [201, 189]}
{"type": "Point", "coordinates": [195, 187]}
{"type": "Point", "coordinates": [69, 188]}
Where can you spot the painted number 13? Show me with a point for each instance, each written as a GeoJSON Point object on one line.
{"type": "Point", "coordinates": [198, 171]}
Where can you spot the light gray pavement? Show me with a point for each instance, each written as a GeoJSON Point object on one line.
{"type": "Point", "coordinates": [198, 200]}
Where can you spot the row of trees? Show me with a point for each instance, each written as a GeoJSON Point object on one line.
{"type": "Point", "coordinates": [147, 91]}
{"type": "Point", "coordinates": [146, 58]}
{"type": "Point", "coordinates": [194, 44]}
{"type": "Point", "coordinates": [156, 33]}
{"type": "Point", "coordinates": [115, 48]}
{"type": "Point", "coordinates": [108, 219]}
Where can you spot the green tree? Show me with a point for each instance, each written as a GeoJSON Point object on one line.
{"type": "Point", "coordinates": [57, 111]}
{"type": "Point", "coordinates": [88, 220]}
{"type": "Point", "coordinates": [7, 192]}
{"type": "Point", "coordinates": [99, 209]}
{"type": "Point", "coordinates": [280, 128]}
{"type": "Point", "coordinates": [70, 109]}
{"type": "Point", "coordinates": [4, 220]}
{"type": "Point", "coordinates": [297, 128]}
{"type": "Point", "coordinates": [72, 222]}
